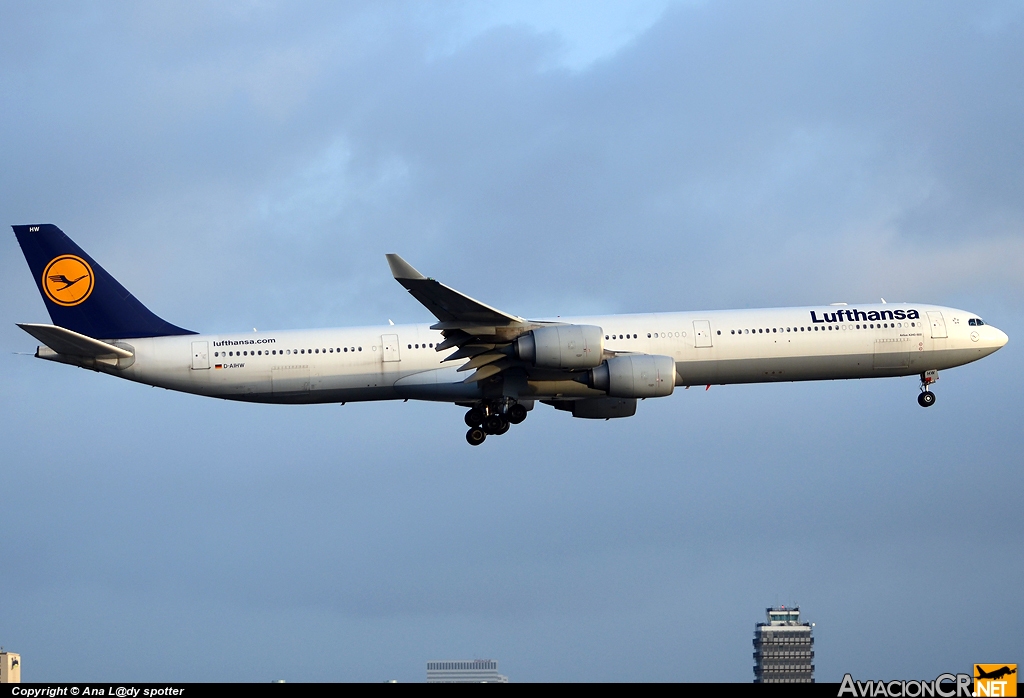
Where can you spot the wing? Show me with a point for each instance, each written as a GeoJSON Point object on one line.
{"type": "Point", "coordinates": [453, 310]}
{"type": "Point", "coordinates": [482, 333]}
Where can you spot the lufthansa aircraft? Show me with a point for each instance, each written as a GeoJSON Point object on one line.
{"type": "Point", "coordinates": [492, 362]}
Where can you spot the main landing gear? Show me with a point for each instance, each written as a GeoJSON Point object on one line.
{"type": "Point", "coordinates": [927, 397]}
{"type": "Point", "coordinates": [492, 417]}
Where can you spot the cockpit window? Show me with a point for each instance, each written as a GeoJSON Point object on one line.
{"type": "Point", "coordinates": [975, 321]}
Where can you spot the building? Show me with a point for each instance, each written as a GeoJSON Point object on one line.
{"type": "Point", "coordinates": [465, 671]}
{"type": "Point", "coordinates": [783, 648]}
{"type": "Point", "coordinates": [10, 667]}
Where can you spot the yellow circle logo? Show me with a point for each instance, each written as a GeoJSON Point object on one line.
{"type": "Point", "coordinates": [68, 280]}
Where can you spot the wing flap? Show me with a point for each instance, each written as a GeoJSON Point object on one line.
{"type": "Point", "coordinates": [481, 360]}
{"type": "Point", "coordinates": [70, 343]}
{"type": "Point", "coordinates": [468, 351]}
{"type": "Point", "coordinates": [488, 371]}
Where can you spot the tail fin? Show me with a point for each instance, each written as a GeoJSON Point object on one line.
{"type": "Point", "coordinates": [79, 294]}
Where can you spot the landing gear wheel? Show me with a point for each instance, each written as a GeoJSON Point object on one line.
{"type": "Point", "coordinates": [495, 424]}
{"type": "Point", "coordinates": [505, 427]}
{"type": "Point", "coordinates": [926, 399]}
{"type": "Point", "coordinates": [475, 417]}
{"type": "Point", "coordinates": [516, 414]}
{"type": "Point", "coordinates": [475, 436]}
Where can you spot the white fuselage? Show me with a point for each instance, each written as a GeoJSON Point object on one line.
{"type": "Point", "coordinates": [715, 347]}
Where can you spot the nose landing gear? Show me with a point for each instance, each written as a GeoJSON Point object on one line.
{"type": "Point", "coordinates": [927, 397]}
{"type": "Point", "coordinates": [493, 417]}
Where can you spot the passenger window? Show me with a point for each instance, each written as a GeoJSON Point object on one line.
{"type": "Point", "coordinates": [345, 349]}
{"type": "Point", "coordinates": [719, 331]}
{"type": "Point", "coordinates": [360, 348]}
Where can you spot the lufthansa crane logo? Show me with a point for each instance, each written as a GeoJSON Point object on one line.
{"type": "Point", "coordinates": [68, 280]}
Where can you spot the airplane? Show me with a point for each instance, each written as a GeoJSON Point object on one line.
{"type": "Point", "coordinates": [996, 674]}
{"type": "Point", "coordinates": [496, 364]}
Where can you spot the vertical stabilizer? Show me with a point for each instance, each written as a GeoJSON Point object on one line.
{"type": "Point", "coordinates": [79, 294]}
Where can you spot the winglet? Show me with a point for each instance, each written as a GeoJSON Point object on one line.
{"type": "Point", "coordinates": [401, 269]}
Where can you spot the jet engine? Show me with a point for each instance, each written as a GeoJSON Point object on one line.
{"type": "Point", "coordinates": [634, 376]}
{"type": "Point", "coordinates": [562, 346]}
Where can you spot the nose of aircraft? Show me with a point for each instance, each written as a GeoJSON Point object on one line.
{"type": "Point", "coordinates": [1000, 339]}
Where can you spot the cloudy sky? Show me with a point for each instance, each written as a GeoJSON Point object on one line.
{"type": "Point", "coordinates": [242, 165]}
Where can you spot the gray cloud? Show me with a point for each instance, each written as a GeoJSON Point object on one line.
{"type": "Point", "coordinates": [249, 164]}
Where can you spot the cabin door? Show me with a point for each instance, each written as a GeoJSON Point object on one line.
{"type": "Point", "coordinates": [200, 355]}
{"type": "Point", "coordinates": [701, 333]}
{"type": "Point", "coordinates": [389, 343]}
{"type": "Point", "coordinates": [937, 323]}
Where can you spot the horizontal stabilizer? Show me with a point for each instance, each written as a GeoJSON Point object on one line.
{"type": "Point", "coordinates": [64, 341]}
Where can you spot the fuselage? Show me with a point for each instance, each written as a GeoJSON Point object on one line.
{"type": "Point", "coordinates": [714, 347]}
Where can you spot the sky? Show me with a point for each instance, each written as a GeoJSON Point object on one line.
{"type": "Point", "coordinates": [248, 164]}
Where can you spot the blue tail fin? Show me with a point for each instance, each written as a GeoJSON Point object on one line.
{"type": "Point", "coordinates": [80, 294]}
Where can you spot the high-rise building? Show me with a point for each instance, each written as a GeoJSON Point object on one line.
{"type": "Point", "coordinates": [783, 648]}
{"type": "Point", "coordinates": [10, 667]}
{"type": "Point", "coordinates": [465, 671]}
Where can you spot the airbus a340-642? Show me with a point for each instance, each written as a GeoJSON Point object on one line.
{"type": "Point", "coordinates": [494, 363]}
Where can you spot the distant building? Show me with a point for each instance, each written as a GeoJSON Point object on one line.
{"type": "Point", "coordinates": [783, 648]}
{"type": "Point", "coordinates": [465, 671]}
{"type": "Point", "coordinates": [10, 667]}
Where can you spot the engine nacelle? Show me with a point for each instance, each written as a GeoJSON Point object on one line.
{"type": "Point", "coordinates": [562, 346]}
{"type": "Point", "coordinates": [638, 375]}
{"type": "Point", "coordinates": [604, 408]}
